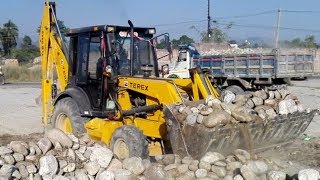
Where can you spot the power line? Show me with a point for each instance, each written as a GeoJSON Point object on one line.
{"type": "Point", "coordinates": [272, 27]}
{"type": "Point", "coordinates": [177, 23]}
{"type": "Point", "coordinates": [248, 15]}
{"type": "Point", "coordinates": [300, 11]}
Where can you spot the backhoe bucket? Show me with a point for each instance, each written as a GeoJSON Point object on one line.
{"type": "Point", "coordinates": [195, 140]}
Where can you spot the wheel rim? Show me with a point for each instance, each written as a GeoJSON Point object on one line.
{"type": "Point", "coordinates": [63, 122]}
{"type": "Point", "coordinates": [120, 149]}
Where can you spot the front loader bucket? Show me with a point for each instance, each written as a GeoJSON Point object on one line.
{"type": "Point", "coordinates": [195, 140]}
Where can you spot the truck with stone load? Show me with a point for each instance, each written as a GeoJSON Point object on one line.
{"type": "Point", "coordinates": [244, 71]}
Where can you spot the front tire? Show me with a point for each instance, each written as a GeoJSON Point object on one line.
{"type": "Point", "coordinates": [128, 141]}
{"type": "Point", "coordinates": [66, 116]}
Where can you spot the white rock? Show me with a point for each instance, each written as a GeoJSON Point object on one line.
{"type": "Point", "coordinates": [201, 173]}
{"type": "Point", "coordinates": [287, 106]}
{"type": "Point", "coordinates": [238, 177]}
{"type": "Point", "coordinates": [212, 157]}
{"type": "Point", "coordinates": [70, 167]}
{"type": "Point", "coordinates": [16, 174]}
{"type": "Point", "coordinates": [247, 173]}
{"type": "Point", "coordinates": [308, 174]}
{"type": "Point", "coordinates": [80, 156]}
{"type": "Point", "coordinates": [31, 168]}
{"type": "Point", "coordinates": [194, 110]}
{"type": "Point", "coordinates": [155, 172]}
{"type": "Point", "coordinates": [81, 175]}
{"type": "Point", "coordinates": [102, 155]}
{"type": "Point", "coordinates": [134, 164]}
{"type": "Point", "coordinates": [92, 168]}
{"type": "Point", "coordinates": [229, 97]}
{"type": "Point", "coordinates": [183, 168]}
{"type": "Point", "coordinates": [123, 174]}
{"type": "Point", "coordinates": [48, 165]}
{"type": "Point", "coordinates": [200, 118]}
{"type": "Point", "coordinates": [258, 167]}
{"type": "Point", "coordinates": [57, 135]}
{"type": "Point", "coordinates": [8, 158]}
{"type": "Point", "coordinates": [191, 118]}
{"type": "Point", "coordinates": [105, 175]}
{"type": "Point", "coordinates": [6, 170]}
{"type": "Point", "coordinates": [44, 144]}
{"type": "Point", "coordinates": [18, 157]}
{"type": "Point", "coordinates": [276, 175]}
{"type": "Point", "coordinates": [114, 165]}
{"type": "Point", "coordinates": [5, 150]}
{"type": "Point", "coordinates": [19, 147]}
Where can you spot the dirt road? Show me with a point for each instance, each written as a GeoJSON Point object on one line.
{"type": "Point", "coordinates": [19, 113]}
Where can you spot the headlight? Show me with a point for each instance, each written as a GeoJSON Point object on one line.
{"type": "Point", "coordinates": [108, 69]}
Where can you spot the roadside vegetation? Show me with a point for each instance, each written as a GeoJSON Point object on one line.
{"type": "Point", "coordinates": [22, 73]}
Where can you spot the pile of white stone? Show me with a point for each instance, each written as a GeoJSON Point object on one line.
{"type": "Point", "coordinates": [260, 106]}
{"type": "Point", "coordinates": [233, 51]}
{"type": "Point", "coordinates": [64, 156]}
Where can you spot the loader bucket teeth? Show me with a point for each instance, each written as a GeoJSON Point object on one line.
{"type": "Point", "coordinates": [195, 140]}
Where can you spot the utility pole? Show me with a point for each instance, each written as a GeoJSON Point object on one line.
{"type": "Point", "coordinates": [209, 20]}
{"type": "Point", "coordinates": [277, 30]}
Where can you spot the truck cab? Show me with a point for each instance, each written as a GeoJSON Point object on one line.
{"type": "Point", "coordinates": [180, 67]}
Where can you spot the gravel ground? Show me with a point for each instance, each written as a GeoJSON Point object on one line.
{"type": "Point", "coordinates": [21, 115]}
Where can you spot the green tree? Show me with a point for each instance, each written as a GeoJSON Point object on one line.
{"type": "Point", "coordinates": [216, 35]}
{"type": "Point", "coordinates": [8, 36]}
{"type": "Point", "coordinates": [184, 39]}
{"type": "Point", "coordinates": [310, 42]}
{"type": "Point", "coordinates": [26, 41]}
{"type": "Point", "coordinates": [26, 52]}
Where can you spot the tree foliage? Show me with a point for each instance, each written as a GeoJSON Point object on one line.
{"type": "Point", "coordinates": [308, 42]}
{"type": "Point", "coordinates": [26, 52]}
{"type": "Point", "coordinates": [8, 37]}
{"type": "Point", "coordinates": [216, 35]}
{"type": "Point", "coordinates": [184, 39]}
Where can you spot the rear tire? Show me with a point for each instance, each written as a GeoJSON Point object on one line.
{"type": "Point", "coordinates": [67, 109]}
{"type": "Point", "coordinates": [128, 141]}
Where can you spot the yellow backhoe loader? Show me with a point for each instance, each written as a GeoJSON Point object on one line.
{"type": "Point", "coordinates": [106, 83]}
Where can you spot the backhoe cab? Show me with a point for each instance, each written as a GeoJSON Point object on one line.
{"type": "Point", "coordinates": [99, 54]}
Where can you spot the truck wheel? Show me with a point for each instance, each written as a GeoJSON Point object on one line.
{"type": "Point", "coordinates": [128, 141]}
{"type": "Point", "coordinates": [66, 116]}
{"type": "Point", "coordinates": [2, 81]}
{"type": "Point", "coordinates": [235, 89]}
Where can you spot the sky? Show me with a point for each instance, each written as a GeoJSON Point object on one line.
{"type": "Point", "coordinates": [250, 18]}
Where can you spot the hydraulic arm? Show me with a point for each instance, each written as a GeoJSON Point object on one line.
{"type": "Point", "coordinates": [53, 57]}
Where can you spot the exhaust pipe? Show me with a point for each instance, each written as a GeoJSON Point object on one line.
{"type": "Point", "coordinates": [131, 47]}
